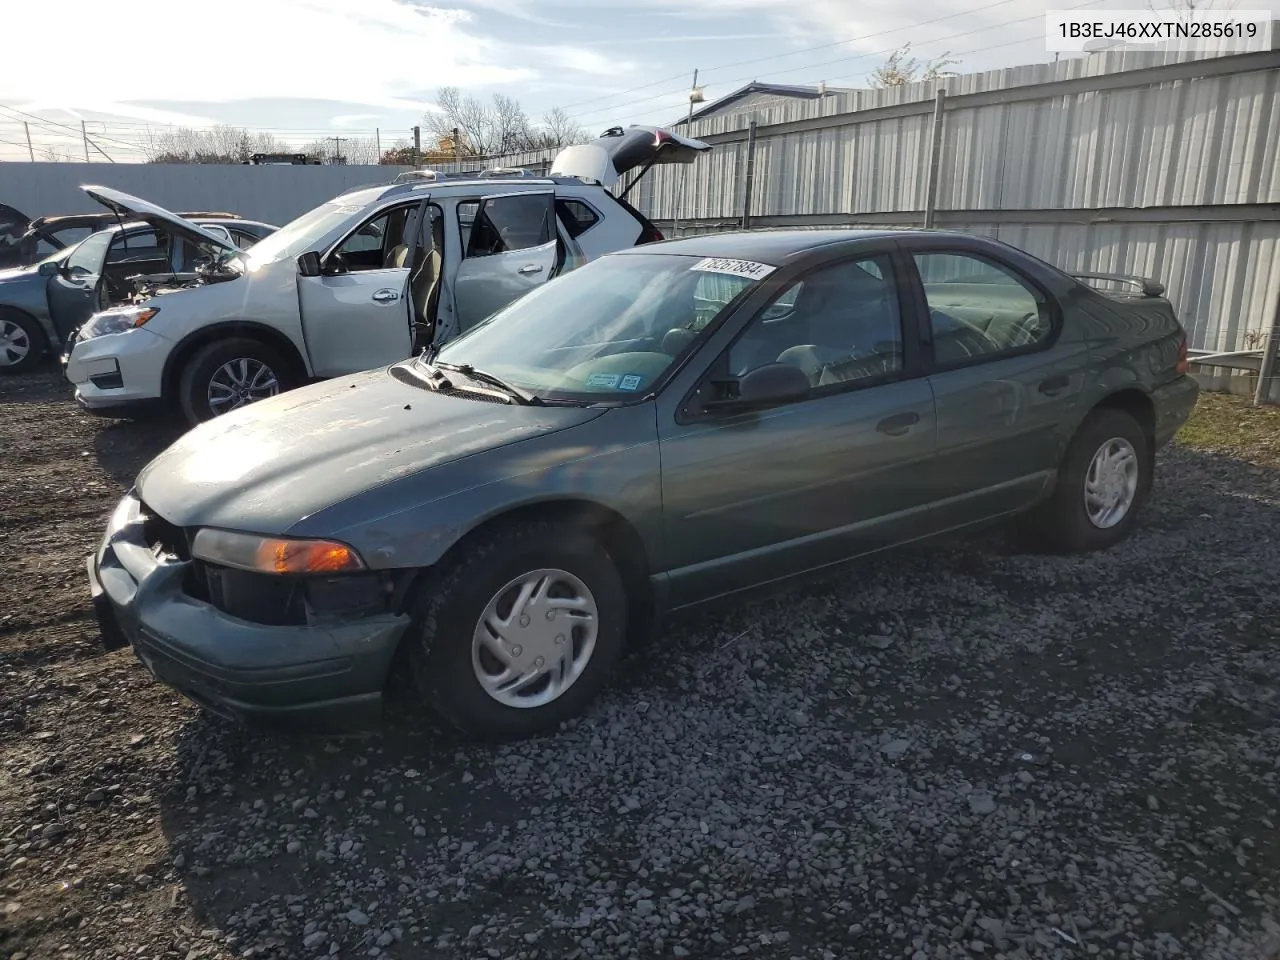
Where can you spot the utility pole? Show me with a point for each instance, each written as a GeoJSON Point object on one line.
{"type": "Point", "coordinates": [377, 140]}
{"type": "Point", "coordinates": [695, 96]}
{"type": "Point", "coordinates": [30, 149]}
{"type": "Point", "coordinates": [84, 135]}
{"type": "Point", "coordinates": [417, 146]}
{"type": "Point", "coordinates": [457, 150]}
{"type": "Point", "coordinates": [337, 156]}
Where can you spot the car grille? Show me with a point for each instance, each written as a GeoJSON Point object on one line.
{"type": "Point", "coordinates": [163, 537]}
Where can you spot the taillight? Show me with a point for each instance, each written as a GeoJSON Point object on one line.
{"type": "Point", "coordinates": [1183, 364]}
{"type": "Point", "coordinates": [650, 235]}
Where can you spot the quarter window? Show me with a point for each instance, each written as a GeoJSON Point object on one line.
{"type": "Point", "coordinates": [840, 324]}
{"type": "Point", "coordinates": [577, 216]}
{"type": "Point", "coordinates": [978, 310]}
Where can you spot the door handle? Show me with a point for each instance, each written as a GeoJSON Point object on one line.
{"type": "Point", "coordinates": [386, 295]}
{"type": "Point", "coordinates": [898, 424]}
{"type": "Point", "coordinates": [530, 268]}
{"type": "Point", "coordinates": [1054, 385]}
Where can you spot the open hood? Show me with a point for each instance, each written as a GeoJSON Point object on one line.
{"type": "Point", "coordinates": [616, 151]}
{"type": "Point", "coordinates": [131, 208]}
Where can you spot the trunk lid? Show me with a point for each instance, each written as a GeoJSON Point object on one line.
{"type": "Point", "coordinates": [618, 150]}
{"type": "Point", "coordinates": [133, 208]}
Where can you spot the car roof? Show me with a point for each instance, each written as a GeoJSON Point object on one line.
{"type": "Point", "coordinates": [363, 196]}
{"type": "Point", "coordinates": [775, 247]}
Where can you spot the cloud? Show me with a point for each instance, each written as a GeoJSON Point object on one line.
{"type": "Point", "coordinates": [351, 119]}
{"type": "Point", "coordinates": [383, 53]}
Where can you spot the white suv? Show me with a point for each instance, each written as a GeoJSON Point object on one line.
{"type": "Point", "coordinates": [361, 281]}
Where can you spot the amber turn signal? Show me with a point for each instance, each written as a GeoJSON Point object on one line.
{"type": "Point", "coordinates": [278, 555]}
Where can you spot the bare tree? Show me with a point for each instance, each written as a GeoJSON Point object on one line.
{"type": "Point", "coordinates": [1191, 6]}
{"type": "Point", "coordinates": [902, 69]}
{"type": "Point", "coordinates": [558, 130]}
{"type": "Point", "coordinates": [218, 144]}
{"type": "Point", "coordinates": [347, 150]}
{"type": "Point", "coordinates": [498, 127]}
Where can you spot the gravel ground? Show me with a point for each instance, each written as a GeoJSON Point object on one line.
{"type": "Point", "coordinates": [965, 752]}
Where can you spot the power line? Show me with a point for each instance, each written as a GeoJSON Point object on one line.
{"type": "Point", "coordinates": [861, 56]}
{"type": "Point", "coordinates": [55, 123]}
{"type": "Point", "coordinates": [793, 53]}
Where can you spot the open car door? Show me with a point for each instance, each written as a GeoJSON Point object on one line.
{"type": "Point", "coordinates": [14, 250]}
{"type": "Point", "coordinates": [618, 150]}
{"type": "Point", "coordinates": [509, 246]}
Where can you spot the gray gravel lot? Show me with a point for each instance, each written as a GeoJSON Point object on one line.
{"type": "Point", "coordinates": [959, 752]}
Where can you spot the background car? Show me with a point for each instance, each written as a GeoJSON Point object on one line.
{"type": "Point", "coordinates": [611, 447]}
{"type": "Point", "coordinates": [365, 280]}
{"type": "Point", "coordinates": [24, 241]}
{"type": "Point", "coordinates": [43, 304]}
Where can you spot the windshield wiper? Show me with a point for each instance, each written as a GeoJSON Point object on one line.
{"type": "Point", "coordinates": [523, 396]}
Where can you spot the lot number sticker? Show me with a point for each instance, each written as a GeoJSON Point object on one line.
{"type": "Point", "coordinates": [603, 380]}
{"type": "Point", "coordinates": [738, 268]}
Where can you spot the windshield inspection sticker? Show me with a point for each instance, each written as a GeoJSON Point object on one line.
{"type": "Point", "coordinates": [738, 268]}
{"type": "Point", "coordinates": [629, 382]}
{"type": "Point", "coordinates": [603, 380]}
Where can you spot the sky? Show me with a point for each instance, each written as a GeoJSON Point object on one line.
{"type": "Point", "coordinates": [304, 69]}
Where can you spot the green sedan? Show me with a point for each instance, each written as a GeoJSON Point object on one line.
{"type": "Point", "coordinates": [667, 426]}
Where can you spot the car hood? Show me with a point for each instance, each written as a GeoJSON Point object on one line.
{"type": "Point", "coordinates": [19, 273]}
{"type": "Point", "coordinates": [616, 151]}
{"type": "Point", "coordinates": [133, 208]}
{"type": "Point", "coordinates": [264, 468]}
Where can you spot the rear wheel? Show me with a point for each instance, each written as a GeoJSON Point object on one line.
{"type": "Point", "coordinates": [21, 342]}
{"type": "Point", "coordinates": [520, 631]}
{"type": "Point", "coordinates": [229, 374]}
{"type": "Point", "coordinates": [1102, 484]}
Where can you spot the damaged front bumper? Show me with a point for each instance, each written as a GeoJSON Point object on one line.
{"type": "Point", "coordinates": [326, 675]}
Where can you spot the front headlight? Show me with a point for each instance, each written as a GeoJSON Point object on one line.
{"type": "Point", "coordinates": [281, 555]}
{"type": "Point", "coordinates": [116, 320]}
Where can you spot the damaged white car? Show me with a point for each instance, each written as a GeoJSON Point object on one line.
{"type": "Point", "coordinates": [364, 280]}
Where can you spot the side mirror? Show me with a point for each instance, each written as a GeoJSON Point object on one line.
{"type": "Point", "coordinates": [49, 268]}
{"type": "Point", "coordinates": [768, 386]}
{"type": "Point", "coordinates": [309, 264]}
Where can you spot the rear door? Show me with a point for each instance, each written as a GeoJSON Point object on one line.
{"type": "Point", "coordinates": [1006, 374]}
{"type": "Point", "coordinates": [356, 314]}
{"type": "Point", "coordinates": [510, 246]}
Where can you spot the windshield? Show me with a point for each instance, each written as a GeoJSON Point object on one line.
{"type": "Point", "coordinates": [608, 330]}
{"type": "Point", "coordinates": [60, 254]}
{"type": "Point", "coordinates": [298, 236]}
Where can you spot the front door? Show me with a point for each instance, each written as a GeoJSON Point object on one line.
{"type": "Point", "coordinates": [1007, 377]}
{"type": "Point", "coordinates": [357, 314]}
{"type": "Point", "coordinates": [753, 497]}
{"type": "Point", "coordinates": [509, 245]}
{"type": "Point", "coordinates": [73, 292]}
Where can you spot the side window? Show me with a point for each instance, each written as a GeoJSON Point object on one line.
{"type": "Point", "coordinates": [138, 245]}
{"type": "Point", "coordinates": [504, 224]}
{"type": "Point", "coordinates": [978, 310]}
{"type": "Point", "coordinates": [88, 257]}
{"type": "Point", "coordinates": [378, 244]}
{"type": "Point", "coordinates": [70, 235]}
{"type": "Point", "coordinates": [577, 216]}
{"type": "Point", "coordinates": [841, 324]}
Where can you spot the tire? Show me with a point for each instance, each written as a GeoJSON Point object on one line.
{"type": "Point", "coordinates": [197, 375]}
{"type": "Point", "coordinates": [22, 343]}
{"type": "Point", "coordinates": [444, 664]}
{"type": "Point", "coordinates": [1062, 524]}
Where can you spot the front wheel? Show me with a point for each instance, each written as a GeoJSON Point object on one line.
{"type": "Point", "coordinates": [229, 374]}
{"type": "Point", "coordinates": [520, 631]}
{"type": "Point", "coordinates": [21, 342]}
{"type": "Point", "coordinates": [1102, 484]}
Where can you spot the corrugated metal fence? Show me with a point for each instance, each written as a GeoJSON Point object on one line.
{"type": "Point", "coordinates": [275, 194]}
{"type": "Point", "coordinates": [1160, 164]}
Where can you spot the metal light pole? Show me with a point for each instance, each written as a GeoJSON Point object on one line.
{"type": "Point", "coordinates": [695, 96]}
